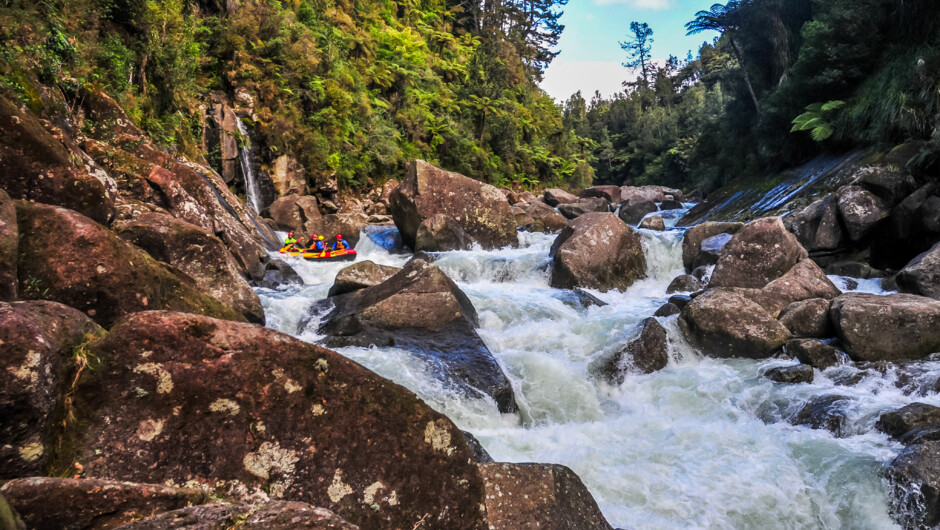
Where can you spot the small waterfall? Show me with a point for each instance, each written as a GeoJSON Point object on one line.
{"type": "Point", "coordinates": [248, 170]}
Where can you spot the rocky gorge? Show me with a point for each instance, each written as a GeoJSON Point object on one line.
{"type": "Point", "coordinates": [165, 367]}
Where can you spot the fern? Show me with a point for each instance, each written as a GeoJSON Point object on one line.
{"type": "Point", "coordinates": [817, 120]}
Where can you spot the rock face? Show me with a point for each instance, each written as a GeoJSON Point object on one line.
{"type": "Point", "coordinates": [289, 177]}
{"type": "Point", "coordinates": [577, 209]}
{"type": "Point", "coordinates": [814, 353]}
{"type": "Point", "coordinates": [554, 197]}
{"type": "Point", "coordinates": [294, 212]}
{"type": "Point", "coordinates": [546, 218]}
{"type": "Point", "coordinates": [817, 226]}
{"type": "Point", "coordinates": [887, 328]}
{"type": "Point", "coordinates": [538, 496]}
{"type": "Point", "coordinates": [81, 504]}
{"type": "Point", "coordinates": [37, 340]}
{"type": "Point", "coordinates": [248, 412]}
{"type": "Point", "coordinates": [915, 482]}
{"type": "Point", "coordinates": [634, 209]}
{"type": "Point", "coordinates": [271, 515]}
{"type": "Point", "coordinates": [361, 275]}
{"type": "Point", "coordinates": [203, 257]}
{"type": "Point", "coordinates": [479, 209]}
{"type": "Point", "coordinates": [9, 243]}
{"type": "Point", "coordinates": [759, 253]}
{"type": "Point", "coordinates": [422, 310]}
{"type": "Point", "coordinates": [808, 318]}
{"type": "Point", "coordinates": [693, 238]}
{"type": "Point", "coordinates": [861, 211]}
{"type": "Point", "coordinates": [597, 251]}
{"type": "Point", "coordinates": [113, 278]}
{"type": "Point", "coordinates": [799, 373]}
{"type": "Point", "coordinates": [646, 353]}
{"type": "Point", "coordinates": [922, 275]}
{"type": "Point", "coordinates": [724, 323]}
{"type": "Point", "coordinates": [440, 233]}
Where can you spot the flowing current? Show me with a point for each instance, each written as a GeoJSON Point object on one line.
{"type": "Point", "coordinates": [248, 169]}
{"type": "Point", "coordinates": [703, 443]}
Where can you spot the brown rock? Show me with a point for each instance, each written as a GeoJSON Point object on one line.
{"type": "Point", "coordinates": [440, 233]}
{"type": "Point", "coordinates": [79, 504]}
{"type": "Point", "coordinates": [814, 353]}
{"type": "Point", "coordinates": [248, 412]}
{"type": "Point", "coordinates": [582, 206]}
{"type": "Point", "coordinates": [555, 196]}
{"type": "Point", "coordinates": [479, 209]}
{"type": "Point", "coordinates": [9, 243]}
{"type": "Point", "coordinates": [359, 276]}
{"type": "Point", "coordinates": [693, 238]}
{"type": "Point", "coordinates": [799, 373]}
{"type": "Point", "coordinates": [914, 477]}
{"type": "Point", "coordinates": [294, 212]}
{"type": "Point", "coordinates": [649, 193]}
{"type": "Point", "coordinates": [724, 323]}
{"type": "Point", "coordinates": [684, 284]}
{"type": "Point", "coordinates": [278, 273]}
{"type": "Point", "coordinates": [9, 519]}
{"type": "Point", "coordinates": [609, 193]}
{"type": "Point", "coordinates": [547, 219]}
{"type": "Point", "coordinates": [538, 496]}
{"type": "Point", "coordinates": [922, 275]}
{"type": "Point", "coordinates": [634, 209]}
{"type": "Point", "coordinates": [808, 318]}
{"type": "Point", "coordinates": [667, 310]}
{"type": "Point", "coordinates": [228, 125]}
{"type": "Point", "coordinates": [802, 282]}
{"type": "Point", "coordinates": [653, 223]}
{"type": "Point", "coordinates": [759, 253]}
{"type": "Point", "coordinates": [887, 328]}
{"type": "Point", "coordinates": [646, 353]}
{"type": "Point", "coordinates": [203, 257]}
{"type": "Point", "coordinates": [289, 177]}
{"type": "Point", "coordinates": [597, 251]}
{"type": "Point", "coordinates": [522, 218]}
{"type": "Point", "coordinates": [897, 423]}
{"type": "Point", "coordinates": [271, 515]}
{"type": "Point", "coordinates": [377, 208]}
{"type": "Point", "coordinates": [817, 226]}
{"type": "Point", "coordinates": [824, 412]}
{"type": "Point", "coordinates": [69, 258]}
{"type": "Point", "coordinates": [37, 341]}
{"type": "Point", "coordinates": [861, 211]}
{"type": "Point", "coordinates": [670, 205]}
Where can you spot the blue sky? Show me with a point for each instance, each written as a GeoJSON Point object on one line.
{"type": "Point", "coordinates": [591, 57]}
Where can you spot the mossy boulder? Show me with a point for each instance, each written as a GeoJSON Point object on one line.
{"type": "Point", "coordinates": [597, 251]}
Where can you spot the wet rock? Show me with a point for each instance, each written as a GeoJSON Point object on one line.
{"type": "Point", "coordinates": [675, 193]}
{"type": "Point", "coordinates": [479, 209]}
{"type": "Point", "coordinates": [710, 250]}
{"type": "Point", "coordinates": [808, 318]}
{"type": "Point", "coordinates": [546, 218]}
{"type": "Point", "coordinates": [278, 273]}
{"type": "Point", "coordinates": [203, 257]}
{"type": "Point", "coordinates": [852, 269]}
{"type": "Point", "coordinates": [37, 340]}
{"type": "Point", "coordinates": [298, 422]}
{"type": "Point", "coordinates": [702, 274]}
{"type": "Point", "coordinates": [645, 354]}
{"type": "Point", "coordinates": [914, 476]}
{"type": "Point", "coordinates": [680, 300]}
{"type": "Point", "coordinates": [294, 212]}
{"type": "Point", "coordinates": [9, 243]}
{"type": "Point", "coordinates": [799, 373]}
{"type": "Point", "coordinates": [271, 515]}
{"type": "Point", "coordinates": [723, 323]}
{"type": "Point", "coordinates": [554, 197]}
{"type": "Point", "coordinates": [79, 504]}
{"type": "Point", "coordinates": [917, 416]}
{"type": "Point", "coordinates": [583, 206]}
{"type": "Point", "coordinates": [860, 210]}
{"type": "Point", "coordinates": [684, 284]}
{"type": "Point", "coordinates": [597, 251]}
{"type": "Point", "coordinates": [609, 193]}
{"type": "Point", "coordinates": [38, 166]}
{"type": "Point", "coordinates": [361, 275]}
{"type": "Point", "coordinates": [802, 282]}
{"type": "Point", "coordinates": [422, 310]}
{"type": "Point", "coordinates": [824, 412]}
{"type": "Point", "coordinates": [653, 223]}
{"type": "Point", "coordinates": [113, 278]}
{"type": "Point", "coordinates": [586, 299]}
{"type": "Point", "coordinates": [646, 193]}
{"type": "Point", "coordinates": [634, 209]}
{"type": "Point", "coordinates": [922, 275]}
{"type": "Point", "coordinates": [476, 448]}
{"type": "Point", "coordinates": [538, 496]}
{"type": "Point", "coordinates": [670, 204]}
{"type": "Point", "coordinates": [898, 326]}
{"type": "Point", "coordinates": [440, 233]}
{"type": "Point", "coordinates": [9, 519]}
{"type": "Point", "coordinates": [757, 254]}
{"type": "Point", "coordinates": [817, 226]}
{"type": "Point", "coordinates": [694, 236]}
{"type": "Point", "coordinates": [667, 310]}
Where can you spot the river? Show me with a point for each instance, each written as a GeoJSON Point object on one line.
{"type": "Point", "coordinates": [703, 443]}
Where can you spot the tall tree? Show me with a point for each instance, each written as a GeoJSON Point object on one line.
{"type": "Point", "coordinates": [638, 48]}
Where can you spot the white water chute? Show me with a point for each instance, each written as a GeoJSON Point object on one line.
{"type": "Point", "coordinates": [248, 171]}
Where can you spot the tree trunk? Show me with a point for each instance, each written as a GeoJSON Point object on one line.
{"type": "Point", "coordinates": [747, 78]}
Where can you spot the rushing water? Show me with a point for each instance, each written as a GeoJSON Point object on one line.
{"type": "Point", "coordinates": [252, 190]}
{"type": "Point", "coordinates": [703, 443]}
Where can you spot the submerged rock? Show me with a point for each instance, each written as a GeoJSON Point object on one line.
{"type": "Point", "coordinates": [694, 236]}
{"type": "Point", "coordinates": [270, 515]}
{"type": "Point", "coordinates": [361, 275]}
{"type": "Point", "coordinates": [9, 243]}
{"type": "Point", "coordinates": [799, 373]}
{"type": "Point", "coordinates": [914, 477]}
{"type": "Point", "coordinates": [897, 326]}
{"type": "Point", "coordinates": [757, 254]}
{"type": "Point", "coordinates": [922, 275]}
{"type": "Point", "coordinates": [824, 412]}
{"type": "Point", "coordinates": [724, 323]}
{"type": "Point", "coordinates": [646, 353]}
{"type": "Point", "coordinates": [597, 251]}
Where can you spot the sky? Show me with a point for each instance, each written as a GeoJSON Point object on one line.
{"type": "Point", "coordinates": [591, 57]}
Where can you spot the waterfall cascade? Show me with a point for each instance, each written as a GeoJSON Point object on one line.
{"type": "Point", "coordinates": [248, 170]}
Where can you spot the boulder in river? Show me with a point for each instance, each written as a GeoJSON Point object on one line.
{"type": "Point", "coordinates": [922, 275]}
{"type": "Point", "coordinates": [538, 496]}
{"type": "Point", "coordinates": [278, 273]}
{"type": "Point", "coordinates": [479, 209]}
{"type": "Point", "coordinates": [814, 353]}
{"type": "Point", "coordinates": [817, 226]}
{"type": "Point", "coordinates": [262, 515]}
{"type": "Point", "coordinates": [667, 310]}
{"type": "Point", "coordinates": [609, 193]}
{"type": "Point", "coordinates": [646, 353]}
{"type": "Point", "coordinates": [684, 284]}
{"type": "Point", "coordinates": [861, 211]}
{"type": "Point", "coordinates": [634, 209]}
{"type": "Point", "coordinates": [361, 275]}
{"type": "Point", "coordinates": [555, 196]}
{"type": "Point", "coordinates": [670, 204]}
{"type": "Point", "coordinates": [422, 310]}
{"type": "Point", "coordinates": [9, 243]}
{"type": "Point", "coordinates": [574, 210]}
{"type": "Point", "coordinates": [250, 413]}
{"type": "Point", "coordinates": [757, 254]}
{"type": "Point", "coordinates": [547, 219]}
{"type": "Point", "coordinates": [710, 250]}
{"type": "Point", "coordinates": [914, 476]}
{"type": "Point", "coordinates": [646, 193]}
{"type": "Point", "coordinates": [797, 373]}
{"type": "Point", "coordinates": [597, 251]}
{"type": "Point", "coordinates": [804, 281]}
{"type": "Point", "coordinates": [724, 323]}
{"type": "Point", "coordinates": [887, 328]}
{"type": "Point", "coordinates": [440, 233]}
{"type": "Point", "coordinates": [653, 223]}
{"type": "Point", "coordinates": [916, 416]}
{"type": "Point", "coordinates": [824, 412]}
{"type": "Point", "coordinates": [694, 236]}
{"type": "Point", "coordinates": [808, 318]}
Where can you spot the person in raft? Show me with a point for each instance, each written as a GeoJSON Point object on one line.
{"type": "Point", "coordinates": [289, 241]}
{"type": "Point", "coordinates": [340, 243]}
{"type": "Point", "coordinates": [319, 246]}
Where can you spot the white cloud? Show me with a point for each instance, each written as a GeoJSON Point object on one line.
{"type": "Point", "coordinates": [655, 5]}
{"type": "Point", "coordinates": [563, 78]}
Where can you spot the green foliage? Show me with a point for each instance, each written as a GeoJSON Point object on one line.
{"type": "Point", "coordinates": [817, 120]}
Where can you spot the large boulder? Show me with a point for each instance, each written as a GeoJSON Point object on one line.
{"type": "Point", "coordinates": [38, 339]}
{"type": "Point", "coordinates": [87, 504]}
{"type": "Point", "coordinates": [9, 243]}
{"type": "Point", "coordinates": [203, 257]}
{"type": "Point", "coordinates": [597, 251]}
{"type": "Point", "coordinates": [724, 323]}
{"type": "Point", "coordinates": [887, 328]}
{"type": "Point", "coordinates": [67, 257]}
{"type": "Point", "coordinates": [479, 209]}
{"type": "Point", "coordinates": [538, 496]}
{"type": "Point", "coordinates": [814, 353]}
{"type": "Point", "coordinates": [270, 515]}
{"type": "Point", "coordinates": [684, 284]}
{"type": "Point", "coordinates": [547, 219]}
{"type": "Point", "coordinates": [293, 212]}
{"type": "Point", "coordinates": [634, 209]}
{"type": "Point", "coordinates": [361, 275]}
{"type": "Point", "coordinates": [648, 193]}
{"type": "Point", "coordinates": [762, 251]}
{"type": "Point", "coordinates": [646, 353]}
{"type": "Point", "coordinates": [289, 177]}
{"type": "Point", "coordinates": [916, 416]}
{"type": "Point", "coordinates": [247, 412]}
{"type": "Point", "coordinates": [609, 193]}
{"type": "Point", "coordinates": [914, 476]}
{"type": "Point", "coordinates": [422, 310]}
{"type": "Point", "coordinates": [554, 197]}
{"type": "Point", "coordinates": [577, 209]}
{"type": "Point", "coordinates": [798, 373]}
{"type": "Point", "coordinates": [710, 250]}
{"type": "Point", "coordinates": [348, 225]}
{"type": "Point", "coordinates": [808, 318]}
{"type": "Point", "coordinates": [817, 226]}
{"type": "Point", "coordinates": [653, 223]}
{"type": "Point", "coordinates": [803, 281]}
{"type": "Point", "coordinates": [694, 236]}
{"type": "Point", "coordinates": [861, 211]}
{"type": "Point", "coordinates": [38, 166]}
{"type": "Point", "coordinates": [922, 275]}
{"type": "Point", "coordinates": [440, 233]}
